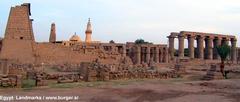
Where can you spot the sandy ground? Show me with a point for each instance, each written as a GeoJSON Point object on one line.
{"type": "Point", "coordinates": [173, 90]}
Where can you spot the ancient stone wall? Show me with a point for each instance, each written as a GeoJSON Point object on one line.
{"type": "Point", "coordinates": [4, 66]}
{"type": "Point", "coordinates": [51, 53]}
{"type": "Point", "coordinates": [58, 54]}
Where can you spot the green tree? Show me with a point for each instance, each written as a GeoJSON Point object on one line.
{"type": "Point", "coordinates": [186, 52]}
{"type": "Point", "coordinates": [223, 51]}
{"type": "Point", "coordinates": [141, 41]}
{"type": "Point", "coordinates": [112, 41]}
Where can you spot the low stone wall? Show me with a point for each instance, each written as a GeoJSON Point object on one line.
{"type": "Point", "coordinates": [142, 75]}
{"type": "Point", "coordinates": [101, 72]}
{"type": "Point", "coordinates": [11, 81]}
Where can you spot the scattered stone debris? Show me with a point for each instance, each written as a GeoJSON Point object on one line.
{"type": "Point", "coordinates": [102, 72]}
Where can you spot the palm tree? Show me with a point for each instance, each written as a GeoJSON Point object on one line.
{"type": "Point", "coordinates": [223, 51]}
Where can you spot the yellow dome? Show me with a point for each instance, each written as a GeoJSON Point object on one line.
{"type": "Point", "coordinates": [75, 37]}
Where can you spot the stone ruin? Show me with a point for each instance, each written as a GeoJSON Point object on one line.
{"type": "Point", "coordinates": [207, 51]}
{"type": "Point", "coordinates": [95, 71]}
{"type": "Point", "coordinates": [13, 74]}
{"type": "Point", "coordinates": [21, 57]}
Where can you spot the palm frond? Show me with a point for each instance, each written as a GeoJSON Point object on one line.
{"type": "Point", "coordinates": [223, 51]}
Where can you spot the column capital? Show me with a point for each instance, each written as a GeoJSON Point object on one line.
{"type": "Point", "coordinates": [191, 36]}
{"type": "Point", "coordinates": [234, 40]}
{"type": "Point", "coordinates": [200, 37]}
{"type": "Point", "coordinates": [181, 35]}
{"type": "Point", "coordinates": [170, 36]}
{"type": "Point", "coordinates": [212, 37]}
{"type": "Point", "coordinates": [209, 38]}
{"type": "Point", "coordinates": [227, 39]}
{"type": "Point", "coordinates": [219, 38]}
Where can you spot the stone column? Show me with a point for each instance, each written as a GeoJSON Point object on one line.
{"type": "Point", "coordinates": [166, 55]}
{"type": "Point", "coordinates": [191, 46]}
{"type": "Point", "coordinates": [138, 55]}
{"type": "Point", "coordinates": [233, 49]}
{"type": "Point", "coordinates": [200, 47]}
{"type": "Point", "coordinates": [171, 46]}
{"type": "Point", "coordinates": [148, 54]}
{"type": "Point", "coordinates": [4, 67]}
{"type": "Point", "coordinates": [143, 55]}
{"type": "Point", "coordinates": [219, 43]}
{"type": "Point", "coordinates": [19, 81]}
{"type": "Point", "coordinates": [124, 51]}
{"type": "Point", "coordinates": [215, 44]}
{"type": "Point", "coordinates": [227, 41]}
{"type": "Point", "coordinates": [157, 55]}
{"type": "Point", "coordinates": [209, 48]}
{"type": "Point", "coordinates": [181, 46]}
{"type": "Point", "coordinates": [160, 55]}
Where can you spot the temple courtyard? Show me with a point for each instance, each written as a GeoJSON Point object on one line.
{"type": "Point", "coordinates": [204, 68]}
{"type": "Point", "coordinates": [175, 90]}
{"type": "Point", "coordinates": [187, 88]}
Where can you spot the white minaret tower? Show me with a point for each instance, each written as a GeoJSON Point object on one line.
{"type": "Point", "coordinates": [88, 32]}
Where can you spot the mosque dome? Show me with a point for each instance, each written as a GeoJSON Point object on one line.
{"type": "Point", "coordinates": [75, 37]}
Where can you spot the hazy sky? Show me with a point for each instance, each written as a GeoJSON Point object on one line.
{"type": "Point", "coordinates": [128, 20]}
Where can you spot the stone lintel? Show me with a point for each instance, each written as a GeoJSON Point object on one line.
{"type": "Point", "coordinates": [185, 33]}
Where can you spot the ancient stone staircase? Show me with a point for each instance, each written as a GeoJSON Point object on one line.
{"type": "Point", "coordinates": [212, 73]}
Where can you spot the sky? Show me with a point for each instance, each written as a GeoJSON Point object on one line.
{"type": "Point", "coordinates": [128, 20]}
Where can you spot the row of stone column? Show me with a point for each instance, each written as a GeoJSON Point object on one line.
{"type": "Point", "coordinates": [122, 49]}
{"type": "Point", "coordinates": [210, 46]}
{"type": "Point", "coordinates": [148, 54]}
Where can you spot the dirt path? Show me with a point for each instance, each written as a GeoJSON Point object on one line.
{"type": "Point", "coordinates": [142, 91]}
